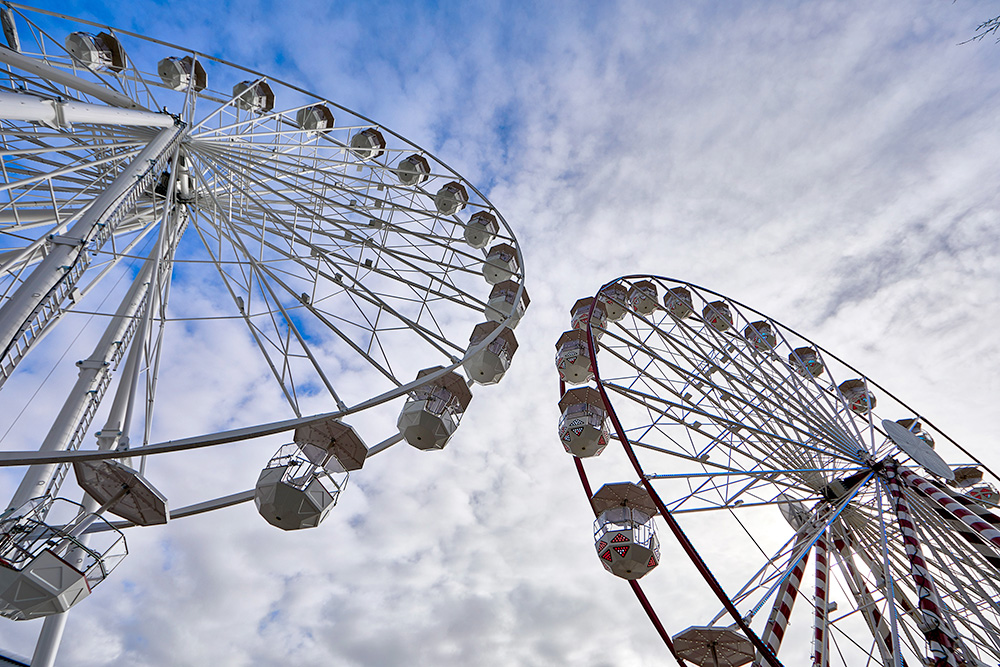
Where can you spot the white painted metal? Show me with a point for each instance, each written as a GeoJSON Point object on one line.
{"type": "Point", "coordinates": [60, 112]}
{"type": "Point", "coordinates": [329, 239]}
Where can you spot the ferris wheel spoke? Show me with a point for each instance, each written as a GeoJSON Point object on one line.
{"type": "Point", "coordinates": [359, 289]}
{"type": "Point", "coordinates": [764, 407]}
{"type": "Point", "coordinates": [341, 263]}
{"type": "Point", "coordinates": [823, 413]}
{"type": "Point", "coordinates": [857, 588]}
{"type": "Point", "coordinates": [768, 457]}
{"type": "Point", "coordinates": [735, 418]}
{"type": "Point", "coordinates": [965, 611]}
{"type": "Point", "coordinates": [260, 335]}
{"type": "Point", "coordinates": [313, 212]}
{"type": "Point", "coordinates": [367, 295]}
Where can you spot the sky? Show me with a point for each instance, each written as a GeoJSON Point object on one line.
{"type": "Point", "coordinates": [832, 164]}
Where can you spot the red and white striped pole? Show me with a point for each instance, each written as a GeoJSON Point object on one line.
{"type": "Point", "coordinates": [821, 640]}
{"type": "Point", "coordinates": [981, 523]}
{"type": "Point", "coordinates": [781, 610]}
{"type": "Point", "coordinates": [940, 644]}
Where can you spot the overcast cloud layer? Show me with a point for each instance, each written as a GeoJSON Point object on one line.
{"type": "Point", "coordinates": [833, 164]}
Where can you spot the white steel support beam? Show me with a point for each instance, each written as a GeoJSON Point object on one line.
{"type": "Point", "coordinates": [56, 75]}
{"type": "Point", "coordinates": [63, 113]}
{"type": "Point", "coordinates": [97, 224]}
{"type": "Point", "coordinates": [93, 371]}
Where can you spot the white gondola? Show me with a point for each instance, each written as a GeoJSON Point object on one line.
{"type": "Point", "coordinates": [915, 427]}
{"type": "Point", "coordinates": [451, 198]}
{"type": "Point", "coordinates": [500, 264]}
{"type": "Point", "coordinates": [332, 444]}
{"type": "Point", "coordinates": [295, 492]}
{"type": "Point", "coordinates": [583, 427]}
{"type": "Point", "coordinates": [481, 229]}
{"type": "Point", "coordinates": [581, 315]}
{"type": "Point", "coordinates": [642, 297]}
{"type": "Point", "coordinates": [624, 534]}
{"type": "Point", "coordinates": [46, 569]}
{"type": "Point", "coordinates": [615, 301]}
{"type": "Point", "coordinates": [573, 358]}
{"type": "Point", "coordinates": [412, 169]}
{"type": "Point", "coordinates": [760, 335]}
{"type": "Point", "coordinates": [857, 396]}
{"type": "Point", "coordinates": [489, 364]}
{"type": "Point", "coordinates": [255, 96]}
{"type": "Point", "coordinates": [714, 645]}
{"type": "Point", "coordinates": [967, 476]}
{"type": "Point", "coordinates": [179, 73]}
{"type": "Point", "coordinates": [806, 362]}
{"type": "Point", "coordinates": [97, 52]}
{"type": "Point", "coordinates": [433, 411]}
{"type": "Point", "coordinates": [501, 305]}
{"type": "Point", "coordinates": [317, 118]}
{"type": "Point", "coordinates": [122, 491]}
{"type": "Point", "coordinates": [677, 301]}
{"type": "Point", "coordinates": [368, 144]}
{"type": "Point", "coordinates": [716, 314]}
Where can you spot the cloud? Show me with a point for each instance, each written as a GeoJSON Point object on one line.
{"type": "Point", "coordinates": [830, 164]}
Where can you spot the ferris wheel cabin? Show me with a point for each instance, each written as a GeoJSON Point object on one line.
{"type": "Point", "coordinates": [581, 315]}
{"type": "Point", "coordinates": [761, 335]}
{"type": "Point", "coordinates": [413, 170]}
{"type": "Point", "coordinates": [583, 427]}
{"type": "Point", "coordinates": [806, 362]}
{"type": "Point", "coordinates": [677, 301]}
{"type": "Point", "coordinates": [302, 482]}
{"type": "Point", "coordinates": [97, 52]}
{"type": "Point", "coordinates": [614, 299]}
{"type": "Point", "coordinates": [490, 364]}
{"type": "Point", "coordinates": [857, 396]}
{"type": "Point", "coordinates": [368, 144]}
{"type": "Point", "coordinates": [46, 568]}
{"type": "Point", "coordinates": [317, 118]}
{"type": "Point", "coordinates": [717, 315]}
{"type": "Point", "coordinates": [255, 96]}
{"type": "Point", "coordinates": [573, 357]}
{"type": "Point", "coordinates": [179, 73]}
{"type": "Point", "coordinates": [642, 297]}
{"type": "Point", "coordinates": [501, 263]}
{"type": "Point", "coordinates": [624, 533]}
{"type": "Point", "coordinates": [501, 305]}
{"type": "Point", "coordinates": [434, 409]}
{"type": "Point", "coordinates": [451, 198]}
{"type": "Point", "coordinates": [481, 229]}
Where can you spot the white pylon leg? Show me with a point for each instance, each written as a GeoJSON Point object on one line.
{"type": "Point", "coordinates": [94, 375]}
{"type": "Point", "coordinates": [49, 640]}
{"type": "Point", "coordinates": [26, 306]}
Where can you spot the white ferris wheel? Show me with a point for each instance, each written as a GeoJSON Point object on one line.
{"type": "Point", "coordinates": [150, 191]}
{"type": "Point", "coordinates": [832, 524]}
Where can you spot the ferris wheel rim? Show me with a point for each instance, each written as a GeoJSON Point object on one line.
{"type": "Point", "coordinates": [825, 353]}
{"type": "Point", "coordinates": [496, 212]}
{"type": "Point", "coordinates": [594, 348]}
{"type": "Point", "coordinates": [461, 353]}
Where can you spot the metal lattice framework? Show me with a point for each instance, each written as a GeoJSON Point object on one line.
{"type": "Point", "coordinates": [153, 195]}
{"type": "Point", "coordinates": [760, 449]}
